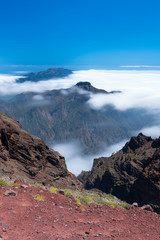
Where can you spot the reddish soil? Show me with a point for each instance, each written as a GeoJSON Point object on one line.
{"type": "Point", "coordinates": [57, 217]}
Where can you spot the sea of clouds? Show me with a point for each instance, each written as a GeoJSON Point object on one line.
{"type": "Point", "coordinates": [139, 89]}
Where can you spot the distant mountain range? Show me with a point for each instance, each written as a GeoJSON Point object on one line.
{"type": "Point", "coordinates": [45, 75]}
{"type": "Point", "coordinates": [59, 116]}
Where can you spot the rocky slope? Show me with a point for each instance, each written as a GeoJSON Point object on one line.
{"type": "Point", "coordinates": [45, 75]}
{"type": "Point", "coordinates": [63, 115]}
{"type": "Point", "coordinates": [26, 157]}
{"type": "Point", "coordinates": [132, 174]}
{"type": "Point", "coordinates": [53, 216]}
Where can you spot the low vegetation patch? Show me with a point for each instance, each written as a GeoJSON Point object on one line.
{"type": "Point", "coordinates": [3, 182]}
{"type": "Point", "coordinates": [39, 198]}
{"type": "Point", "coordinates": [16, 185]}
{"type": "Point", "coordinates": [38, 185]}
{"type": "Point", "coordinates": [53, 190]}
{"type": "Point", "coordinates": [86, 197]}
{"type": "Point", "coordinates": [82, 198]}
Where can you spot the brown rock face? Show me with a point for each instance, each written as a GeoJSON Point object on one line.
{"type": "Point", "coordinates": [132, 174]}
{"type": "Point", "coordinates": [26, 157]}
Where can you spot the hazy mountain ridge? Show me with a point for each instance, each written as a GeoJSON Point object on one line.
{"type": "Point", "coordinates": [63, 115]}
{"type": "Point", "coordinates": [45, 75]}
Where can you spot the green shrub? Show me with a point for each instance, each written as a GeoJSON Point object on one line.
{"type": "Point", "coordinates": [38, 185]}
{"type": "Point", "coordinates": [86, 199]}
{"type": "Point", "coordinates": [112, 204]}
{"type": "Point", "coordinates": [53, 190]}
{"type": "Point", "coordinates": [3, 183]}
{"type": "Point", "coordinates": [78, 201]}
{"type": "Point", "coordinates": [40, 198]}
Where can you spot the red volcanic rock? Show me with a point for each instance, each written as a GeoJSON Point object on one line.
{"type": "Point", "coordinates": [26, 157]}
{"type": "Point", "coordinates": [58, 217]}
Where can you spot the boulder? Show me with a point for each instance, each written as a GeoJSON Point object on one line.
{"type": "Point", "coordinates": [147, 207]}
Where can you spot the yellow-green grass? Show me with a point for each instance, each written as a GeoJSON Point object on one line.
{"type": "Point", "coordinates": [3, 182]}
{"type": "Point", "coordinates": [86, 197]}
{"type": "Point", "coordinates": [39, 198]}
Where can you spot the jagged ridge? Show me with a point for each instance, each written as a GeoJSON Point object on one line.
{"type": "Point", "coordinates": [132, 174]}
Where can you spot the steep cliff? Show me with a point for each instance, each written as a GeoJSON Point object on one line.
{"type": "Point", "coordinates": [132, 174]}
{"type": "Point", "coordinates": [26, 157]}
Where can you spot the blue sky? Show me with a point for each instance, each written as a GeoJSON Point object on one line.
{"type": "Point", "coordinates": [91, 33]}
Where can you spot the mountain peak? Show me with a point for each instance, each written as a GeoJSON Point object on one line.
{"type": "Point", "coordinates": [136, 142]}
{"type": "Point", "coordinates": [88, 87]}
{"type": "Point", "coordinates": [83, 84]}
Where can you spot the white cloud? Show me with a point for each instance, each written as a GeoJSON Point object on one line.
{"type": "Point", "coordinates": [9, 86]}
{"type": "Point", "coordinates": [139, 66]}
{"type": "Point", "coordinates": [75, 89]}
{"type": "Point", "coordinates": [139, 88]}
{"type": "Point", "coordinates": [126, 100]}
{"type": "Point", "coordinates": [6, 79]}
{"type": "Point", "coordinates": [39, 100]}
{"type": "Point", "coordinates": [20, 72]}
{"type": "Point", "coordinates": [76, 161]}
{"type": "Point", "coordinates": [153, 131]}
{"type": "Point", "coordinates": [38, 97]}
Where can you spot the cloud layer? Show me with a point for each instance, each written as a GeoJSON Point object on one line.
{"type": "Point", "coordinates": [139, 66]}
{"type": "Point", "coordinates": [140, 89]}
{"type": "Point", "coordinates": [76, 161]}
{"type": "Point", "coordinates": [153, 131]}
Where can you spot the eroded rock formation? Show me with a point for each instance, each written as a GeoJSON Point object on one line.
{"type": "Point", "coordinates": [26, 157]}
{"type": "Point", "coordinates": [132, 174]}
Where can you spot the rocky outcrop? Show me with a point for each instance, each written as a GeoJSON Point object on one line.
{"type": "Point", "coordinates": [88, 87]}
{"type": "Point", "coordinates": [83, 176]}
{"type": "Point", "coordinates": [132, 174]}
{"type": "Point", "coordinates": [26, 157]}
